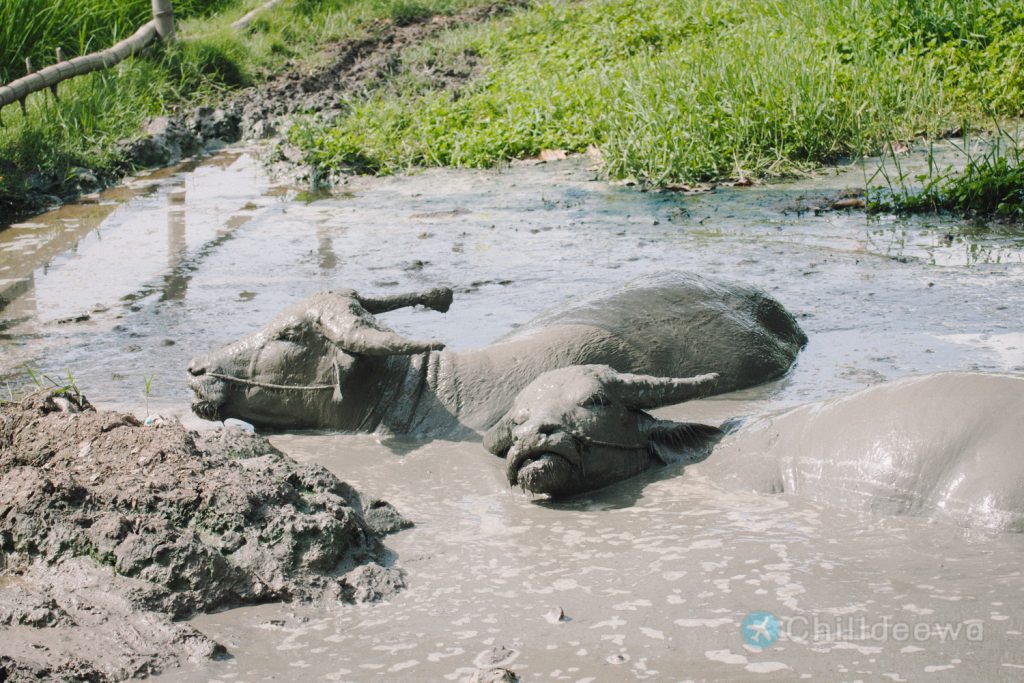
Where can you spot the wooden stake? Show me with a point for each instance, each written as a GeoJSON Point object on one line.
{"type": "Point", "coordinates": [163, 15]}
{"type": "Point", "coordinates": [28, 65]}
{"type": "Point", "coordinates": [60, 58]}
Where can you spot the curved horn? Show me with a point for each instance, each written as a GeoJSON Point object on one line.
{"type": "Point", "coordinates": [498, 439]}
{"type": "Point", "coordinates": [438, 299]}
{"type": "Point", "coordinates": [346, 323]}
{"type": "Point", "coordinates": [645, 391]}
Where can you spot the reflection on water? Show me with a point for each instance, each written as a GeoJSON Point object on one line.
{"type": "Point", "coordinates": [186, 259]}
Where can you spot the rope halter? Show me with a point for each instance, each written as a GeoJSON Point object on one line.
{"type": "Point", "coordinates": [336, 386]}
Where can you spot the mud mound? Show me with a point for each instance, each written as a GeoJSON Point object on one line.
{"type": "Point", "coordinates": [109, 529]}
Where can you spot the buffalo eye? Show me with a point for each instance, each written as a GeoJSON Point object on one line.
{"type": "Point", "coordinates": [597, 400]}
{"type": "Point", "coordinates": [290, 334]}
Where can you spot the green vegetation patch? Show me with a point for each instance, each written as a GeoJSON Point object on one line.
{"type": "Point", "coordinates": [35, 28]}
{"type": "Point", "coordinates": [991, 185]}
{"type": "Point", "coordinates": [688, 90]}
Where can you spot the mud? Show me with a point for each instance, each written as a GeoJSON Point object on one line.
{"type": "Point", "coordinates": [653, 576]}
{"type": "Point", "coordinates": [111, 530]}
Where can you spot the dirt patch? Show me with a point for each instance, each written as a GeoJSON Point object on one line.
{"type": "Point", "coordinates": [351, 69]}
{"type": "Point", "coordinates": [110, 529]}
{"type": "Point", "coordinates": [356, 68]}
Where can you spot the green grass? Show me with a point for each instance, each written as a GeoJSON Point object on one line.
{"type": "Point", "coordinates": [34, 28]}
{"type": "Point", "coordinates": [94, 112]}
{"type": "Point", "coordinates": [990, 185]}
{"type": "Point", "coordinates": [690, 90]}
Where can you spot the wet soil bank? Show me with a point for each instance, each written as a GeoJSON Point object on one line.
{"type": "Point", "coordinates": [347, 69]}
{"type": "Point", "coordinates": [112, 529]}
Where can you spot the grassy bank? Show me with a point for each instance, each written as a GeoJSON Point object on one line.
{"type": "Point", "coordinates": [691, 90]}
{"type": "Point", "coordinates": [81, 130]}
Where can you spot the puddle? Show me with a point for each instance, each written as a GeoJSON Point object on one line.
{"type": "Point", "coordinates": [654, 576]}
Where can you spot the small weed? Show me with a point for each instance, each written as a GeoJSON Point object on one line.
{"type": "Point", "coordinates": [991, 184]}
{"type": "Point", "coordinates": [34, 376]}
{"type": "Point", "coordinates": [70, 386]}
{"type": "Point", "coordinates": [40, 381]}
{"type": "Point", "coordinates": [405, 12]}
{"type": "Point", "coordinates": [148, 389]}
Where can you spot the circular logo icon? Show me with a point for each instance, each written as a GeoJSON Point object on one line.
{"type": "Point", "coordinates": [760, 629]}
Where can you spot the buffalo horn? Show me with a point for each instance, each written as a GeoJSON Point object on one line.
{"type": "Point", "coordinates": [346, 323]}
{"type": "Point", "coordinates": [646, 392]}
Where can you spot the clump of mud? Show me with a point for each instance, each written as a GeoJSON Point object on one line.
{"type": "Point", "coordinates": [110, 529]}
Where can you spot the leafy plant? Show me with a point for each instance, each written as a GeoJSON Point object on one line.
{"type": "Point", "coordinates": [41, 381]}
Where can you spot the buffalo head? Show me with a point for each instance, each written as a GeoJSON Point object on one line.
{"type": "Point", "coordinates": [296, 370]}
{"type": "Point", "coordinates": [582, 427]}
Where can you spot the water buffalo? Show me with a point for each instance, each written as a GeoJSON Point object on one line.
{"type": "Point", "coordinates": [327, 362]}
{"type": "Point", "coordinates": [583, 427]}
{"type": "Point", "coordinates": [948, 444]}
{"type": "Point", "coordinates": [951, 444]}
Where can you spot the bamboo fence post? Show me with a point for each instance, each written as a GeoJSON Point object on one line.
{"type": "Point", "coordinates": [19, 89]}
{"type": "Point", "coordinates": [60, 58]}
{"type": "Point", "coordinates": [163, 17]}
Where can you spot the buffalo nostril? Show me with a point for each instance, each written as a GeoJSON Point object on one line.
{"type": "Point", "coordinates": [196, 367]}
{"type": "Point", "coordinates": [536, 428]}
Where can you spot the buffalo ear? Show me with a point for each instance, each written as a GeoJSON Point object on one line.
{"type": "Point", "coordinates": [498, 439]}
{"type": "Point", "coordinates": [681, 441]}
{"type": "Point", "coordinates": [345, 322]}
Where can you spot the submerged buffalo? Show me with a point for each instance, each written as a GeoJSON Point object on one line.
{"type": "Point", "coordinates": [327, 362]}
{"type": "Point", "coordinates": [583, 427]}
{"type": "Point", "coordinates": [949, 443]}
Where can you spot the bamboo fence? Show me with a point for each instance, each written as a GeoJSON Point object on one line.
{"type": "Point", "coordinates": [161, 27]}
{"type": "Point", "coordinates": [247, 19]}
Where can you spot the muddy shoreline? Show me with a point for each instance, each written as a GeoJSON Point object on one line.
{"type": "Point", "coordinates": [263, 111]}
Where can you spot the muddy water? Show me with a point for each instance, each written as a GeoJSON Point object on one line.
{"type": "Point", "coordinates": [655, 576]}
